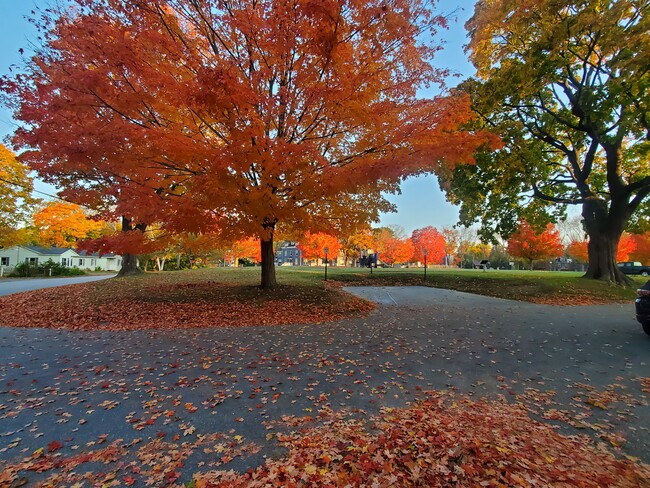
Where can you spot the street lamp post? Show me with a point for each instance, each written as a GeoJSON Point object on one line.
{"type": "Point", "coordinates": [425, 264]}
{"type": "Point", "coordinates": [327, 250]}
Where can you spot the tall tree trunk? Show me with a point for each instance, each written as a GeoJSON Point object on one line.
{"type": "Point", "coordinates": [268, 264]}
{"type": "Point", "coordinates": [604, 229]}
{"type": "Point", "coordinates": [130, 261]}
{"type": "Point", "coordinates": [129, 265]}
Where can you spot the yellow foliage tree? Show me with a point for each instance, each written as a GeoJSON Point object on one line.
{"type": "Point", "coordinates": [62, 224]}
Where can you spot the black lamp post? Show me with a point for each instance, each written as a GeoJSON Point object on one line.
{"type": "Point", "coordinates": [425, 263]}
{"type": "Point", "coordinates": [327, 250]}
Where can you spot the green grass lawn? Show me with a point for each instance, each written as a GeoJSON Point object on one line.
{"type": "Point", "coordinates": [538, 286]}
{"type": "Point", "coordinates": [560, 287]}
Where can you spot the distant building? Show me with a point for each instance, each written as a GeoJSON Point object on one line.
{"type": "Point", "coordinates": [35, 255]}
{"type": "Point", "coordinates": [288, 254]}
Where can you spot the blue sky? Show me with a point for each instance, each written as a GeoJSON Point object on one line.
{"type": "Point", "coordinates": [421, 202]}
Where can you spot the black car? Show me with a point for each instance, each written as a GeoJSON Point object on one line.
{"type": "Point", "coordinates": [642, 304]}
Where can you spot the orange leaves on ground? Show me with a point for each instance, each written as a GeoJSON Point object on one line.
{"type": "Point", "coordinates": [441, 441]}
{"type": "Point", "coordinates": [528, 244]}
{"type": "Point", "coordinates": [429, 239]}
{"type": "Point", "coordinates": [127, 305]}
{"type": "Point", "coordinates": [312, 246]}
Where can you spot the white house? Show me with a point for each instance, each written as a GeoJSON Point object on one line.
{"type": "Point", "coordinates": [69, 258]}
{"type": "Point", "coordinates": [106, 262]}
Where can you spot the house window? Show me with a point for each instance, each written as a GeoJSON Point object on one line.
{"type": "Point", "coordinates": [64, 261]}
{"type": "Point", "coordinates": [31, 261]}
{"type": "Point", "coordinates": [81, 262]}
{"type": "Point", "coordinates": [4, 261]}
{"type": "Point", "coordinates": [92, 262]}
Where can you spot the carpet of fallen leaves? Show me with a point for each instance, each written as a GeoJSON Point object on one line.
{"type": "Point", "coordinates": [123, 304]}
{"type": "Point", "coordinates": [443, 440]}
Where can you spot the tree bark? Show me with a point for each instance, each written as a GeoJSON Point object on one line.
{"type": "Point", "coordinates": [129, 265]}
{"type": "Point", "coordinates": [130, 261]}
{"type": "Point", "coordinates": [604, 229]}
{"type": "Point", "coordinates": [268, 264]}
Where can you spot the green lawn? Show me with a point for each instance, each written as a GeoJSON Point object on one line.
{"type": "Point", "coordinates": [539, 286]}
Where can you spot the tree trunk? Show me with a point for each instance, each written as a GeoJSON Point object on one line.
{"type": "Point", "coordinates": [268, 264]}
{"type": "Point", "coordinates": [129, 265]}
{"type": "Point", "coordinates": [604, 229]}
{"type": "Point", "coordinates": [130, 261]}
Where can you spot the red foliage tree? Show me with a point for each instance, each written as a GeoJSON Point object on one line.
{"type": "Point", "coordinates": [393, 250]}
{"type": "Point", "coordinates": [626, 246]}
{"type": "Point", "coordinates": [246, 248]}
{"type": "Point", "coordinates": [238, 122]}
{"type": "Point", "coordinates": [312, 246]}
{"type": "Point", "coordinates": [433, 241]}
{"type": "Point", "coordinates": [642, 248]}
{"type": "Point", "coordinates": [578, 250]}
{"type": "Point", "coordinates": [530, 245]}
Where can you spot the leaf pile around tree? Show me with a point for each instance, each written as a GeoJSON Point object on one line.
{"type": "Point", "coordinates": [135, 304]}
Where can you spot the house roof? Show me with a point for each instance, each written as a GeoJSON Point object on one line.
{"type": "Point", "coordinates": [86, 254]}
{"type": "Point", "coordinates": [52, 251]}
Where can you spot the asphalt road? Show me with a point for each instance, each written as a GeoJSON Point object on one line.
{"type": "Point", "coordinates": [585, 364]}
{"type": "Point", "coordinates": [9, 286]}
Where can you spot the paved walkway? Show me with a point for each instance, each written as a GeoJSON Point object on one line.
{"type": "Point", "coordinates": [76, 388]}
{"type": "Point", "coordinates": [9, 286]}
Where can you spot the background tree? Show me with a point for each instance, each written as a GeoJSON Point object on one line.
{"type": "Point", "coordinates": [641, 248]}
{"type": "Point", "coordinates": [451, 244]}
{"type": "Point", "coordinates": [16, 199]}
{"type": "Point", "coordinates": [430, 239]}
{"type": "Point", "coordinates": [392, 245]}
{"type": "Point", "coordinates": [62, 224]}
{"type": "Point", "coordinates": [531, 245]}
{"type": "Point", "coordinates": [245, 248]}
{"type": "Point", "coordinates": [312, 246]}
{"type": "Point", "coordinates": [238, 119]}
{"type": "Point", "coordinates": [356, 244]}
{"type": "Point", "coordinates": [579, 250]}
{"type": "Point", "coordinates": [565, 84]}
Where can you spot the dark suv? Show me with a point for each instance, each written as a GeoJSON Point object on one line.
{"type": "Point", "coordinates": [642, 304]}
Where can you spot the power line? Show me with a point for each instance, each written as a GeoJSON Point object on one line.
{"type": "Point", "coordinates": [33, 190]}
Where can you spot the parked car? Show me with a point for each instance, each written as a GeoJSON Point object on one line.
{"type": "Point", "coordinates": [634, 268]}
{"type": "Point", "coordinates": [642, 304]}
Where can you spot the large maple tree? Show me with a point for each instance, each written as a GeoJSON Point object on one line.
{"type": "Point", "coordinates": [565, 83]}
{"type": "Point", "coordinates": [239, 118]}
